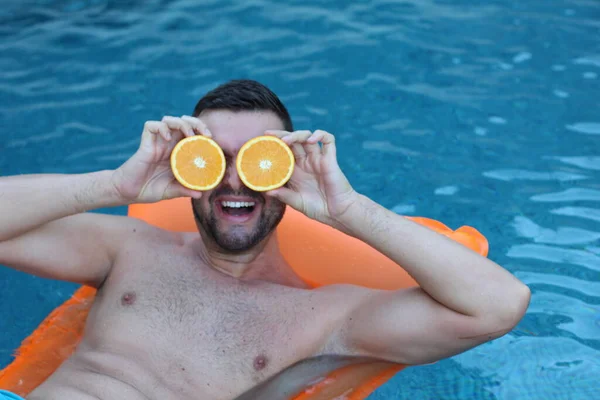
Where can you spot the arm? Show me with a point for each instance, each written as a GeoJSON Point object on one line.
{"type": "Point", "coordinates": [44, 229]}
{"type": "Point", "coordinates": [463, 300]}
{"type": "Point", "coordinates": [41, 234]}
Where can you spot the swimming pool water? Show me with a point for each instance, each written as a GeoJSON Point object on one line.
{"type": "Point", "coordinates": [479, 113]}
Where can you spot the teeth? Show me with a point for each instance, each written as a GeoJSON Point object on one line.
{"type": "Point", "coordinates": [237, 204]}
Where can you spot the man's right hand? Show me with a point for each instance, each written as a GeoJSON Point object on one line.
{"type": "Point", "coordinates": [45, 228]}
{"type": "Point", "coordinates": [147, 177]}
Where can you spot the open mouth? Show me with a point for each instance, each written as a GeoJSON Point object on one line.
{"type": "Point", "coordinates": [238, 208]}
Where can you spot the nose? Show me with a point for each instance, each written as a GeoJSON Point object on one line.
{"type": "Point", "coordinates": [231, 177]}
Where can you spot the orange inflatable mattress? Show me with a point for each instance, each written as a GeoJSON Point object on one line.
{"type": "Point", "coordinates": [308, 246]}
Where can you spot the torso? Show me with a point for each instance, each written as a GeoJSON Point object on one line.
{"type": "Point", "coordinates": [165, 325]}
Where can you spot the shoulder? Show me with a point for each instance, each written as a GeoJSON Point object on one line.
{"type": "Point", "coordinates": [123, 226]}
{"type": "Point", "coordinates": [133, 233]}
{"type": "Point", "coordinates": [138, 244]}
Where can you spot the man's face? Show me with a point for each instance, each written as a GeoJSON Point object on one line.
{"type": "Point", "coordinates": [232, 215]}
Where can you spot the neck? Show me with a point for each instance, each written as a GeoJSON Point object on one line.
{"type": "Point", "coordinates": [262, 262]}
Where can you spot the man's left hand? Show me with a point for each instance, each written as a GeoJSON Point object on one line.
{"type": "Point", "coordinates": [318, 188]}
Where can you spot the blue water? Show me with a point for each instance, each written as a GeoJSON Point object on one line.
{"type": "Point", "coordinates": [479, 113]}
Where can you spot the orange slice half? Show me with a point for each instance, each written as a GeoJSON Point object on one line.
{"type": "Point", "coordinates": [265, 163]}
{"type": "Point", "coordinates": [198, 163]}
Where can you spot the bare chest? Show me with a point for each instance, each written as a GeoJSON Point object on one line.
{"type": "Point", "coordinates": [201, 328]}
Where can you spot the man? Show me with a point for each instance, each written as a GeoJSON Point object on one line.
{"type": "Point", "coordinates": [222, 316]}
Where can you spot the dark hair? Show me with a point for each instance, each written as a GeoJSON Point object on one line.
{"type": "Point", "coordinates": [244, 95]}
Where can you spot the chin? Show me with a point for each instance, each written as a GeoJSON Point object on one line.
{"type": "Point", "coordinates": [239, 231]}
{"type": "Point", "coordinates": [236, 244]}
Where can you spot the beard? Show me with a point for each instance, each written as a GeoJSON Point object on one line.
{"type": "Point", "coordinates": [239, 238]}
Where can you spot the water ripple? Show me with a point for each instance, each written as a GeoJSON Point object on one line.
{"type": "Point", "coordinates": [517, 174]}
{"type": "Point", "coordinates": [581, 212]}
{"type": "Point", "coordinates": [555, 255]}
{"type": "Point", "coordinates": [590, 128]}
{"type": "Point", "coordinates": [583, 318]}
{"type": "Point", "coordinates": [563, 235]}
{"type": "Point", "coordinates": [586, 162]}
{"type": "Point", "coordinates": [573, 194]}
{"type": "Point", "coordinates": [71, 128]}
{"type": "Point", "coordinates": [129, 144]}
{"type": "Point", "coordinates": [53, 86]}
{"type": "Point", "coordinates": [392, 125]}
{"type": "Point", "coordinates": [387, 147]}
{"type": "Point", "coordinates": [50, 105]}
{"type": "Point", "coordinates": [586, 287]}
{"type": "Point", "coordinates": [559, 366]}
{"type": "Point", "coordinates": [588, 60]}
{"type": "Point", "coordinates": [446, 191]}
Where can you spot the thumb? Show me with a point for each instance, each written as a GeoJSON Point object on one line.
{"type": "Point", "coordinates": [288, 196]}
{"type": "Point", "coordinates": [176, 189]}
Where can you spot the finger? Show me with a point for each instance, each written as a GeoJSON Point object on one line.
{"type": "Point", "coordinates": [317, 136]}
{"type": "Point", "coordinates": [313, 152]}
{"type": "Point", "coordinates": [298, 151]}
{"type": "Point", "coordinates": [194, 194]}
{"type": "Point", "coordinates": [288, 196]}
{"type": "Point", "coordinates": [297, 137]}
{"type": "Point", "coordinates": [198, 125]}
{"type": "Point", "coordinates": [278, 133]}
{"type": "Point", "coordinates": [311, 146]}
{"type": "Point", "coordinates": [328, 140]}
{"type": "Point", "coordinates": [158, 128]}
{"type": "Point", "coordinates": [177, 124]}
{"type": "Point", "coordinates": [182, 191]}
{"type": "Point", "coordinates": [176, 189]}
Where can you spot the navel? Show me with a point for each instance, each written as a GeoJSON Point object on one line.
{"type": "Point", "coordinates": [128, 298]}
{"type": "Point", "coordinates": [260, 362]}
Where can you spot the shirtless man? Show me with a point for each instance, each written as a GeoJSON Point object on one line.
{"type": "Point", "coordinates": [220, 316]}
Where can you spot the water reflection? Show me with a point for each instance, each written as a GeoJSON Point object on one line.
{"type": "Point", "coordinates": [580, 212]}
{"type": "Point", "coordinates": [573, 194]}
{"type": "Point", "coordinates": [586, 162]}
{"type": "Point", "coordinates": [525, 227]}
{"type": "Point", "coordinates": [590, 128]}
{"type": "Point", "coordinates": [518, 174]}
{"type": "Point", "coordinates": [555, 255]}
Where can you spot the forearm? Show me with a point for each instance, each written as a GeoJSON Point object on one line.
{"type": "Point", "coordinates": [450, 273]}
{"type": "Point", "coordinates": [29, 201]}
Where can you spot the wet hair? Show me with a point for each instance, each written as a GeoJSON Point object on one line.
{"type": "Point", "coordinates": [244, 95]}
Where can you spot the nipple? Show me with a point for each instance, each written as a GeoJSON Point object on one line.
{"type": "Point", "coordinates": [128, 299]}
{"type": "Point", "coordinates": [260, 362]}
